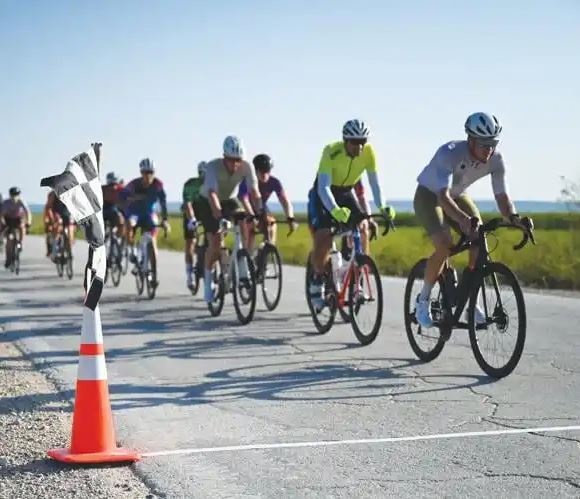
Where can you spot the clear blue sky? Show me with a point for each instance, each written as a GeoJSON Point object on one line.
{"type": "Point", "coordinates": [170, 79]}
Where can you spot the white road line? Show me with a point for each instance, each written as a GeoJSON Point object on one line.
{"type": "Point", "coordinates": [328, 443]}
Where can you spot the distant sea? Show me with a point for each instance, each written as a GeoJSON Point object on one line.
{"type": "Point", "coordinates": [404, 206]}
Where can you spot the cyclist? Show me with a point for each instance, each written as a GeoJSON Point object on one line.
{"type": "Point", "coordinates": [15, 215]}
{"type": "Point", "coordinates": [141, 196]}
{"type": "Point", "coordinates": [441, 201]}
{"type": "Point", "coordinates": [58, 219]}
{"type": "Point", "coordinates": [341, 167]}
{"type": "Point", "coordinates": [112, 213]}
{"type": "Point", "coordinates": [191, 192]}
{"type": "Point", "coordinates": [218, 200]}
{"type": "Point", "coordinates": [267, 184]}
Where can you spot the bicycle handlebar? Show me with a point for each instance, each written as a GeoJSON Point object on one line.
{"type": "Point", "coordinates": [340, 228]}
{"type": "Point", "coordinates": [494, 224]}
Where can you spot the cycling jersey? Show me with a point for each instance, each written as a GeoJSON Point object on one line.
{"type": "Point", "coordinates": [453, 167]}
{"type": "Point", "coordinates": [339, 170]}
{"type": "Point", "coordinates": [15, 209]}
{"type": "Point", "coordinates": [141, 199]}
{"type": "Point", "coordinates": [56, 206]}
{"type": "Point", "coordinates": [112, 195]}
{"type": "Point", "coordinates": [192, 190]}
{"type": "Point", "coordinates": [218, 179]}
{"type": "Point", "coordinates": [266, 189]}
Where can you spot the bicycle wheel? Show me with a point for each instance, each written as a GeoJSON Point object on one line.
{"type": "Point", "coordinates": [365, 296]}
{"type": "Point", "coordinates": [244, 287]}
{"type": "Point", "coordinates": [271, 276]}
{"type": "Point", "coordinates": [498, 343]}
{"type": "Point", "coordinates": [114, 265]}
{"type": "Point", "coordinates": [151, 273]}
{"type": "Point", "coordinates": [429, 343]}
{"type": "Point", "coordinates": [139, 277]}
{"type": "Point", "coordinates": [68, 258]}
{"type": "Point", "coordinates": [16, 259]}
{"type": "Point", "coordinates": [198, 257]}
{"type": "Point", "coordinates": [324, 318]}
{"type": "Point", "coordinates": [124, 256]}
{"type": "Point", "coordinates": [59, 259]}
{"type": "Point", "coordinates": [216, 306]}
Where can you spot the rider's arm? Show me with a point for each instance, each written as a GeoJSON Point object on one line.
{"type": "Point", "coordinates": [187, 206]}
{"type": "Point", "coordinates": [252, 183]}
{"type": "Point", "coordinates": [27, 211]}
{"type": "Point", "coordinates": [284, 201]}
{"type": "Point", "coordinates": [210, 184]}
{"type": "Point", "coordinates": [498, 184]}
{"type": "Point", "coordinates": [162, 200]}
{"type": "Point", "coordinates": [244, 197]}
{"type": "Point", "coordinates": [324, 181]}
{"type": "Point", "coordinates": [373, 177]}
{"type": "Point", "coordinates": [451, 208]}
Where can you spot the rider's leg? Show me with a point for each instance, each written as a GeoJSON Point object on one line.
{"type": "Point", "coordinates": [322, 246]}
{"type": "Point", "coordinates": [71, 234]}
{"type": "Point", "coordinates": [189, 249]}
{"type": "Point", "coordinates": [212, 254]}
{"type": "Point", "coordinates": [273, 233]}
{"type": "Point", "coordinates": [365, 236]}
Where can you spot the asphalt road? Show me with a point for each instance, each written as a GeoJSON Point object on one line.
{"type": "Point", "coordinates": [180, 380]}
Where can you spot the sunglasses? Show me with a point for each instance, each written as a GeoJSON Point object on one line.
{"type": "Point", "coordinates": [358, 142]}
{"type": "Point", "coordinates": [486, 144]}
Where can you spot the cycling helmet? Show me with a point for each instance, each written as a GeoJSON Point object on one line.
{"type": "Point", "coordinates": [112, 178]}
{"type": "Point", "coordinates": [14, 191]}
{"type": "Point", "coordinates": [147, 165]}
{"type": "Point", "coordinates": [233, 147]}
{"type": "Point", "coordinates": [482, 126]}
{"type": "Point", "coordinates": [201, 168]}
{"type": "Point", "coordinates": [355, 129]}
{"type": "Point", "coordinates": [263, 163]}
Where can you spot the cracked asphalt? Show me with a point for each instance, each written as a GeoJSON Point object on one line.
{"type": "Point", "coordinates": [180, 379]}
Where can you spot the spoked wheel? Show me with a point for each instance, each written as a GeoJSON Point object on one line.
{"type": "Point", "coordinates": [498, 341]}
{"type": "Point", "coordinates": [116, 268]}
{"type": "Point", "coordinates": [151, 273]}
{"type": "Point", "coordinates": [59, 259]}
{"type": "Point", "coordinates": [324, 317]}
{"type": "Point", "coordinates": [68, 258]}
{"type": "Point", "coordinates": [427, 344]}
{"type": "Point", "coordinates": [139, 279]}
{"type": "Point", "coordinates": [218, 285]}
{"type": "Point", "coordinates": [270, 275]}
{"type": "Point", "coordinates": [198, 258]}
{"type": "Point", "coordinates": [244, 287]}
{"type": "Point", "coordinates": [365, 296]}
{"type": "Point", "coordinates": [16, 260]}
{"type": "Point", "coordinates": [124, 256]}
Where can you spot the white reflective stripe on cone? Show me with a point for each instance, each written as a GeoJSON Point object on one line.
{"type": "Point", "coordinates": [91, 331]}
{"type": "Point", "coordinates": [92, 368]}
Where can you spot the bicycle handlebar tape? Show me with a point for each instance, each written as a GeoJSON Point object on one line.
{"type": "Point", "coordinates": [93, 435]}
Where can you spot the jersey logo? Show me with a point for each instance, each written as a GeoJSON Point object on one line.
{"type": "Point", "coordinates": [334, 154]}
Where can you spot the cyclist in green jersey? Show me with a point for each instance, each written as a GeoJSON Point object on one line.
{"type": "Point", "coordinates": [332, 199]}
{"type": "Point", "coordinates": [191, 191]}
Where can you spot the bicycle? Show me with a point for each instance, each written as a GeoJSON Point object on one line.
{"type": "Point", "coordinates": [227, 278]}
{"type": "Point", "coordinates": [268, 265]}
{"type": "Point", "coordinates": [353, 277]}
{"type": "Point", "coordinates": [145, 267]}
{"type": "Point", "coordinates": [485, 282]}
{"type": "Point", "coordinates": [63, 254]}
{"type": "Point", "coordinates": [198, 258]}
{"type": "Point", "coordinates": [114, 248]}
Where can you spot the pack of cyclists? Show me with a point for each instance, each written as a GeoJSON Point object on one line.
{"type": "Point", "coordinates": [229, 183]}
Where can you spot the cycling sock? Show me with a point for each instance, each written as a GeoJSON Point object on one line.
{"type": "Point", "coordinates": [426, 291]}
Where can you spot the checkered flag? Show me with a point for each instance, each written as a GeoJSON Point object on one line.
{"type": "Point", "coordinates": [79, 188]}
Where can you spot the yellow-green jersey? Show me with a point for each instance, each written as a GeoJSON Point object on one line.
{"type": "Point", "coordinates": [338, 171]}
{"type": "Point", "coordinates": [344, 170]}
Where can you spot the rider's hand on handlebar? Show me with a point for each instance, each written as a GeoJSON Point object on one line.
{"type": "Point", "coordinates": [224, 224]}
{"type": "Point", "coordinates": [165, 225]}
{"type": "Point", "coordinates": [373, 228]}
{"type": "Point", "coordinates": [470, 226]}
{"type": "Point", "coordinates": [192, 224]}
{"type": "Point", "coordinates": [292, 225]}
{"type": "Point", "coordinates": [341, 214]}
{"type": "Point", "coordinates": [388, 212]}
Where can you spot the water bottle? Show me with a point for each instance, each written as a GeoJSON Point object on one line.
{"type": "Point", "coordinates": [224, 259]}
{"type": "Point", "coordinates": [450, 276]}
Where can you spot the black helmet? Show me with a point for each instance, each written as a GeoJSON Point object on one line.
{"type": "Point", "coordinates": [14, 191]}
{"type": "Point", "coordinates": [263, 163]}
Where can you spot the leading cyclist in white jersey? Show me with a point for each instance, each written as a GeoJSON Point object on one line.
{"type": "Point", "coordinates": [441, 201]}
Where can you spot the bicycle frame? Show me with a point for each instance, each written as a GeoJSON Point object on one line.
{"type": "Point", "coordinates": [146, 238]}
{"type": "Point", "coordinates": [233, 260]}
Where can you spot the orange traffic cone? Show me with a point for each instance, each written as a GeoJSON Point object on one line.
{"type": "Point", "coordinates": [93, 434]}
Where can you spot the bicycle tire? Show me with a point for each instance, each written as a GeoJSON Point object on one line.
{"type": "Point", "coordinates": [198, 255]}
{"type": "Point", "coordinates": [250, 299]}
{"type": "Point", "coordinates": [151, 273]}
{"type": "Point", "coordinates": [270, 251]}
{"type": "Point", "coordinates": [216, 306]}
{"type": "Point", "coordinates": [417, 272]}
{"type": "Point", "coordinates": [321, 326]}
{"type": "Point", "coordinates": [357, 300]}
{"type": "Point", "coordinates": [493, 269]}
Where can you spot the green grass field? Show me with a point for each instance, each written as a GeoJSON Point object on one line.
{"type": "Point", "coordinates": [553, 263]}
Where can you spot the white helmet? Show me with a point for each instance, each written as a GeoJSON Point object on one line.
{"type": "Point", "coordinates": [147, 165]}
{"type": "Point", "coordinates": [233, 147]}
{"type": "Point", "coordinates": [201, 168]}
{"type": "Point", "coordinates": [355, 129]}
{"type": "Point", "coordinates": [482, 126]}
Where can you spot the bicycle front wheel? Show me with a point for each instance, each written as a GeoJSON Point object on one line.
{"type": "Point", "coordinates": [497, 340]}
{"type": "Point", "coordinates": [151, 273]}
{"type": "Point", "coordinates": [271, 276]}
{"type": "Point", "coordinates": [244, 284]}
{"type": "Point", "coordinates": [219, 289]}
{"type": "Point", "coordinates": [325, 316]}
{"type": "Point", "coordinates": [365, 296]}
{"type": "Point", "coordinates": [426, 344]}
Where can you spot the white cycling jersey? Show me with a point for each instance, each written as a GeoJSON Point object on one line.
{"type": "Point", "coordinates": [453, 167]}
